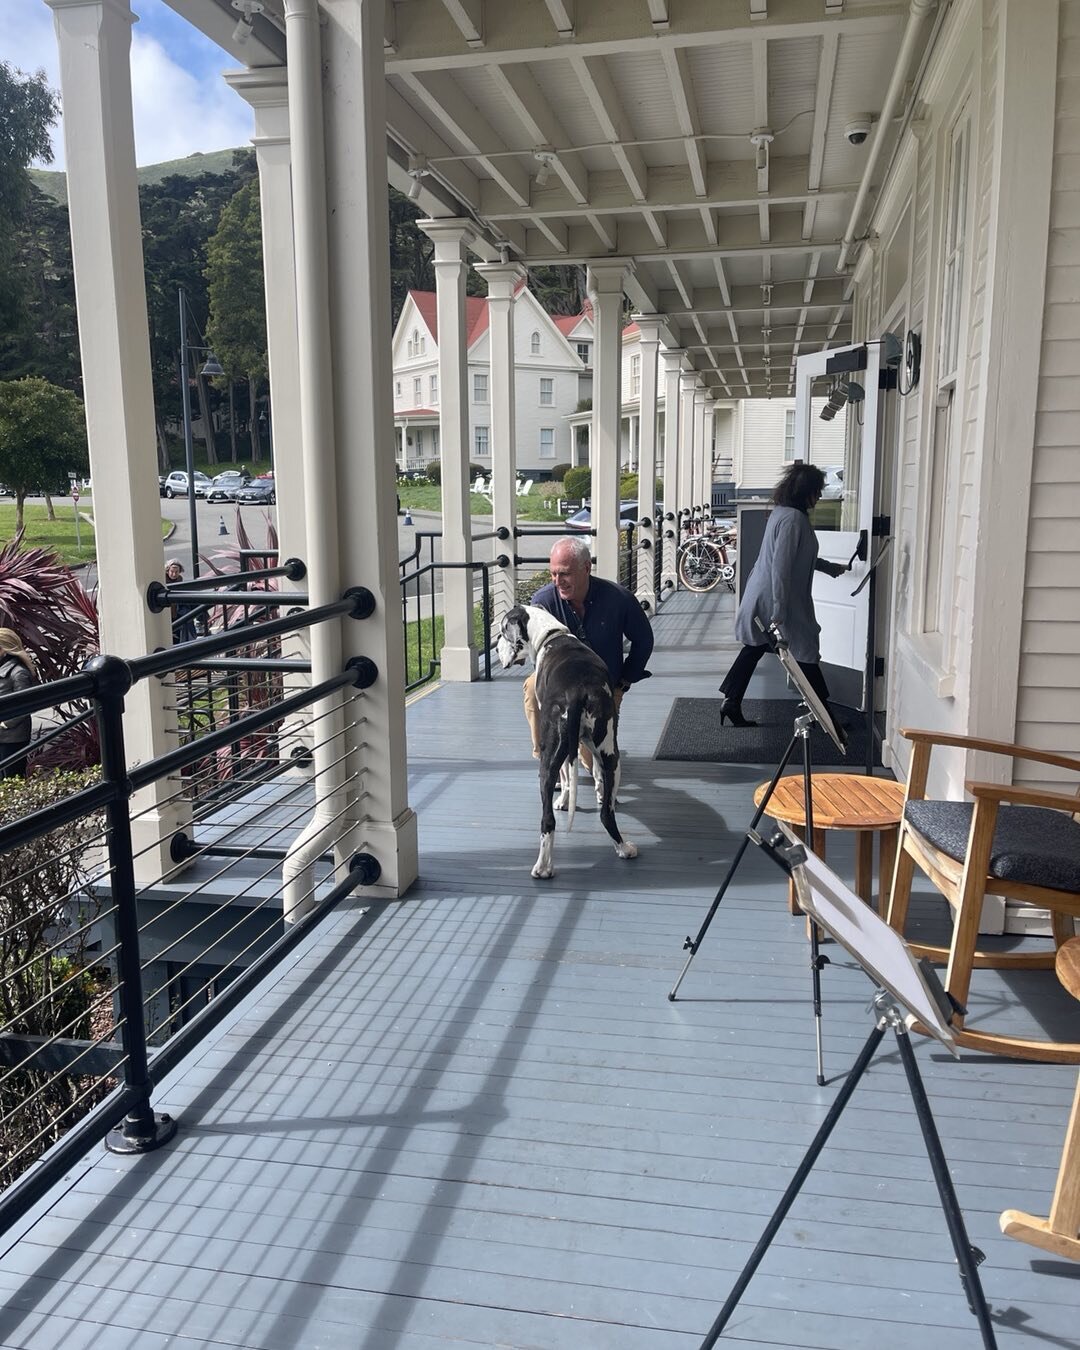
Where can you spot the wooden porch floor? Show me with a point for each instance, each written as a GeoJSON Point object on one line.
{"type": "Point", "coordinates": [473, 1117]}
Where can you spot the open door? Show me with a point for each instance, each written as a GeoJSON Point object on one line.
{"type": "Point", "coordinates": [837, 422]}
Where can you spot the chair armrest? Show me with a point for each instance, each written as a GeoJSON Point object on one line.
{"type": "Point", "coordinates": [991, 747]}
{"type": "Point", "coordinates": [1022, 796]}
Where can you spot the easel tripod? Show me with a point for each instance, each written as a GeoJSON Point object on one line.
{"type": "Point", "coordinates": [803, 722]}
{"type": "Point", "coordinates": [888, 1013]}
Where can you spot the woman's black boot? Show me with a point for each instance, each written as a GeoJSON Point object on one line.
{"type": "Point", "coordinates": [731, 711]}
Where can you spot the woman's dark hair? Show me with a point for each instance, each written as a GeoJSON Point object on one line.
{"type": "Point", "coordinates": [799, 485]}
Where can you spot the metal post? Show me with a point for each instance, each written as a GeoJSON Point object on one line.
{"type": "Point", "coordinates": [189, 449]}
{"type": "Point", "coordinates": [142, 1130]}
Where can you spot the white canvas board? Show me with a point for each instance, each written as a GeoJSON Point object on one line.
{"type": "Point", "coordinates": [798, 679]}
{"type": "Point", "coordinates": [879, 949]}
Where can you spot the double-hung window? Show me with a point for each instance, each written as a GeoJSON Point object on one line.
{"type": "Point", "coordinates": [479, 387]}
{"type": "Point", "coordinates": [480, 442]}
{"type": "Point", "coordinates": [547, 393]}
{"type": "Point", "coordinates": [547, 442]}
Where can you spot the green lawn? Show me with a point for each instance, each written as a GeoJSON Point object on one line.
{"type": "Point", "coordinates": [422, 643]}
{"type": "Point", "coordinates": [58, 534]}
{"type": "Point", "coordinates": [428, 497]}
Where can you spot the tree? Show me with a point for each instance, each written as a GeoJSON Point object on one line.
{"type": "Point", "coordinates": [234, 273]}
{"type": "Point", "coordinates": [28, 108]}
{"type": "Point", "coordinates": [42, 438]}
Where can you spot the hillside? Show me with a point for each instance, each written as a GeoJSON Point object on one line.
{"type": "Point", "coordinates": [54, 184]}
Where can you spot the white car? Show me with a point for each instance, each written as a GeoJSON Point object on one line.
{"type": "Point", "coordinates": [833, 491]}
{"type": "Point", "coordinates": [176, 484]}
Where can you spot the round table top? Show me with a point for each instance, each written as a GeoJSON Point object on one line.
{"type": "Point", "coordinates": [841, 801]}
{"type": "Point", "coordinates": [1067, 966]}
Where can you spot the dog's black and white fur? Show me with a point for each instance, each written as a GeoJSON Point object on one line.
{"type": "Point", "coordinates": [577, 707]}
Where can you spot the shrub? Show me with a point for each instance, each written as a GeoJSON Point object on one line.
{"type": "Point", "coordinates": [477, 471]}
{"type": "Point", "coordinates": [559, 472]}
{"type": "Point", "coordinates": [578, 482]}
{"type": "Point", "coordinates": [434, 471]}
{"type": "Point", "coordinates": [527, 587]}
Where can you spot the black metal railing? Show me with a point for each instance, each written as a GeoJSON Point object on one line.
{"type": "Point", "coordinates": [129, 926]}
{"type": "Point", "coordinates": [420, 574]}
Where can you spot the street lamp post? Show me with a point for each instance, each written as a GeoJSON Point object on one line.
{"type": "Point", "coordinates": [211, 367]}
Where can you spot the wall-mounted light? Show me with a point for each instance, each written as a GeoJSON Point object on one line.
{"type": "Point", "coordinates": [843, 391]}
{"type": "Point", "coordinates": [247, 9]}
{"type": "Point", "coordinates": [545, 158]}
{"type": "Point", "coordinates": [761, 139]}
{"type": "Point", "coordinates": [418, 170]}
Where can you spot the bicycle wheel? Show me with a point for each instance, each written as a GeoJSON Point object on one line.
{"type": "Point", "coordinates": [700, 565]}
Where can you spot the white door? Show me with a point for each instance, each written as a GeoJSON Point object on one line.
{"type": "Point", "coordinates": [843, 384]}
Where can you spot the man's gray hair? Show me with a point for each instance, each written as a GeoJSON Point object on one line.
{"type": "Point", "coordinates": [579, 548]}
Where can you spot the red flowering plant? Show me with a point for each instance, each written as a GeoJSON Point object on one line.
{"type": "Point", "coordinates": [43, 600]}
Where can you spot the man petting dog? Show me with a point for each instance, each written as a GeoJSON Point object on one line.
{"type": "Point", "coordinates": [602, 614]}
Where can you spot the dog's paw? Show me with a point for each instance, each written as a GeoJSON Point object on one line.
{"type": "Point", "coordinates": [543, 873]}
{"type": "Point", "coordinates": [562, 801]}
{"type": "Point", "coordinates": [626, 849]}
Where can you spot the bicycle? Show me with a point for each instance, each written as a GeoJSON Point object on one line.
{"type": "Point", "coordinates": [702, 562]}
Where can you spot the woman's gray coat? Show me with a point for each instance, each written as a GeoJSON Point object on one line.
{"type": "Point", "coordinates": [13, 677]}
{"type": "Point", "coordinates": [778, 589]}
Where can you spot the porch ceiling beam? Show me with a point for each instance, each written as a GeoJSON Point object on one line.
{"type": "Point", "coordinates": [606, 230]}
{"type": "Point", "coordinates": [710, 302]}
{"type": "Point", "coordinates": [427, 39]}
{"type": "Point", "coordinates": [562, 16]}
{"type": "Point", "coordinates": [446, 100]}
{"type": "Point", "coordinates": [599, 89]}
{"type": "Point", "coordinates": [534, 112]}
{"type": "Point", "coordinates": [731, 186]}
{"type": "Point", "coordinates": [469, 17]}
{"type": "Point", "coordinates": [677, 66]}
{"type": "Point", "coordinates": [749, 342]}
{"type": "Point", "coordinates": [830, 46]}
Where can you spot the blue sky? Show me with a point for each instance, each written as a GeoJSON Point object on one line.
{"type": "Point", "coordinates": [181, 104]}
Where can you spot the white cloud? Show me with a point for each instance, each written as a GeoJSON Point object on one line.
{"type": "Point", "coordinates": [178, 109]}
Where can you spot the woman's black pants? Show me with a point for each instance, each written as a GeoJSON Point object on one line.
{"type": "Point", "coordinates": [744, 665]}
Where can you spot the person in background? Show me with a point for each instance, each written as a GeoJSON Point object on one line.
{"type": "Point", "coordinates": [17, 671]}
{"type": "Point", "coordinates": [778, 590]}
{"type": "Point", "coordinates": [183, 624]}
{"type": "Point", "coordinates": [601, 613]}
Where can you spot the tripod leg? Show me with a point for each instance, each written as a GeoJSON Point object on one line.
{"type": "Point", "coordinates": [692, 944]}
{"type": "Point", "coordinates": [967, 1256]}
{"type": "Point", "coordinates": [802, 1172]}
{"type": "Point", "coordinates": [816, 958]}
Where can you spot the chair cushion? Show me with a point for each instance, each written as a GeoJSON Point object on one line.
{"type": "Point", "coordinates": [1032, 846]}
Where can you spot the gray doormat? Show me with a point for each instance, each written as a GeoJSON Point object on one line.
{"type": "Point", "coordinates": [693, 732]}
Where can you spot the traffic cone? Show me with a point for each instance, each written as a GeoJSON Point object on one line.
{"type": "Point", "coordinates": [408, 517]}
{"type": "Point", "coordinates": [221, 529]}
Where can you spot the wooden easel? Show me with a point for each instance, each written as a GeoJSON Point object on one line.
{"type": "Point", "coordinates": [1060, 1233]}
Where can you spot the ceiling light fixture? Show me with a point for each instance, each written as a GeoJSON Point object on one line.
{"type": "Point", "coordinates": [761, 139]}
{"type": "Point", "coordinates": [247, 9]}
{"type": "Point", "coordinates": [418, 170]}
{"type": "Point", "coordinates": [545, 158]}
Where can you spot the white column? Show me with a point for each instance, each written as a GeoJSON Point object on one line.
{"type": "Point", "coordinates": [94, 38]}
{"type": "Point", "coordinates": [707, 452]}
{"type": "Point", "coordinates": [605, 288]}
{"type": "Point", "coordinates": [266, 89]}
{"type": "Point", "coordinates": [648, 535]}
{"type": "Point", "coordinates": [699, 445]}
{"type": "Point", "coordinates": [503, 279]}
{"type": "Point", "coordinates": [451, 239]}
{"type": "Point", "coordinates": [338, 120]}
{"type": "Point", "coordinates": [687, 390]}
{"type": "Point", "coordinates": [673, 358]}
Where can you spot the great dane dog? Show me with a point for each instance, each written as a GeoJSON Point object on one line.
{"type": "Point", "coordinates": [573, 689]}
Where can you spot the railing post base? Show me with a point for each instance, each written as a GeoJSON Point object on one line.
{"type": "Point", "coordinates": [132, 1135]}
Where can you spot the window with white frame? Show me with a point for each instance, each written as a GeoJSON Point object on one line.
{"type": "Point", "coordinates": [789, 434]}
{"type": "Point", "coordinates": [635, 376]}
{"type": "Point", "coordinates": [534, 344]}
{"type": "Point", "coordinates": [547, 393]}
{"type": "Point", "coordinates": [479, 387]}
{"type": "Point", "coordinates": [417, 388]}
{"type": "Point", "coordinates": [435, 442]}
{"type": "Point", "coordinates": [480, 442]}
{"type": "Point", "coordinates": [940, 486]}
{"type": "Point", "coordinates": [397, 388]}
{"type": "Point", "coordinates": [547, 442]}
{"type": "Point", "coordinates": [433, 389]}
{"type": "Point", "coordinates": [414, 343]}
{"type": "Point", "coordinates": [584, 351]}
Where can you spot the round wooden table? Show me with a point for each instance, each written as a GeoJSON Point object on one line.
{"type": "Point", "coordinates": [844, 801]}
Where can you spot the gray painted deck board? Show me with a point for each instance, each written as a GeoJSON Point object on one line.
{"type": "Point", "coordinates": [473, 1118]}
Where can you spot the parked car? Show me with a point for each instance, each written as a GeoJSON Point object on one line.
{"type": "Point", "coordinates": [225, 485]}
{"type": "Point", "coordinates": [260, 493]}
{"type": "Point", "coordinates": [582, 520]}
{"type": "Point", "coordinates": [176, 484]}
{"type": "Point", "coordinates": [5, 491]}
{"type": "Point", "coordinates": [833, 491]}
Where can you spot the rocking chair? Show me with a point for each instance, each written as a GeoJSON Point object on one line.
{"type": "Point", "coordinates": [1015, 842]}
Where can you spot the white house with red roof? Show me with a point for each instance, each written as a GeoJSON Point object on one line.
{"type": "Point", "coordinates": [553, 361]}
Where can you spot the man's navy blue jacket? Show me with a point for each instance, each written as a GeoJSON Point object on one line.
{"type": "Point", "coordinates": [611, 614]}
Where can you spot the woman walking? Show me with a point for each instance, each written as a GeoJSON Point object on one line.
{"type": "Point", "coordinates": [17, 671]}
{"type": "Point", "coordinates": [778, 591]}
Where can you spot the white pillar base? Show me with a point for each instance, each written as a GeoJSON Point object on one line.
{"type": "Point", "coordinates": [459, 664]}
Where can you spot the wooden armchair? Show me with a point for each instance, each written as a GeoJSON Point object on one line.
{"type": "Point", "coordinates": [1014, 842]}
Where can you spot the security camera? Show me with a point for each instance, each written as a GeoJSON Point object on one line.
{"type": "Point", "coordinates": [857, 130]}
